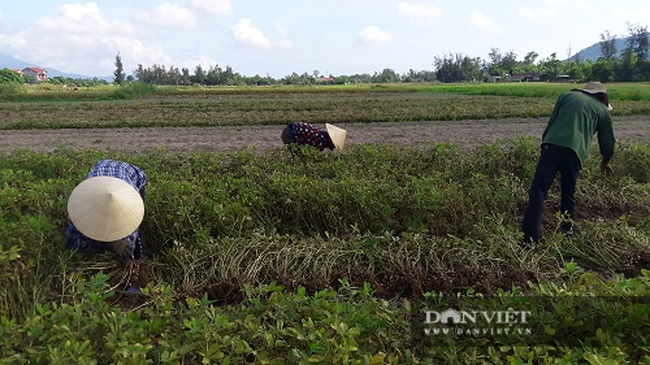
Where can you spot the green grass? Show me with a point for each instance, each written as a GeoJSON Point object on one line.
{"type": "Point", "coordinates": [617, 91]}
{"type": "Point", "coordinates": [282, 260]}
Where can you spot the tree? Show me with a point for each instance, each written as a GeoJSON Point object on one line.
{"type": "Point", "coordinates": [10, 76]}
{"type": "Point", "coordinates": [530, 58]}
{"type": "Point", "coordinates": [119, 71]}
{"type": "Point", "coordinates": [457, 68]}
{"type": "Point", "coordinates": [607, 45]}
{"type": "Point", "coordinates": [637, 40]}
{"type": "Point", "coordinates": [625, 69]}
{"type": "Point", "coordinates": [501, 64]}
{"type": "Point", "coordinates": [387, 75]}
{"type": "Point", "coordinates": [602, 70]}
{"type": "Point", "coordinates": [470, 68]}
{"type": "Point", "coordinates": [446, 70]}
{"type": "Point", "coordinates": [293, 79]}
{"type": "Point", "coordinates": [199, 75]}
{"type": "Point", "coordinates": [551, 67]}
{"type": "Point", "coordinates": [418, 76]}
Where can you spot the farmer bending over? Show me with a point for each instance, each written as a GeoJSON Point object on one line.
{"type": "Point", "coordinates": [578, 115]}
{"type": "Point", "coordinates": [300, 133]}
{"type": "Point", "coordinates": [106, 209]}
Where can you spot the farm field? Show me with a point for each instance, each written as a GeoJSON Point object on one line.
{"type": "Point", "coordinates": [227, 119]}
{"type": "Point", "coordinates": [256, 256]}
{"type": "Point", "coordinates": [464, 133]}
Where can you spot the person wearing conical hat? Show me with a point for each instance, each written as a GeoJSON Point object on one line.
{"type": "Point", "coordinates": [578, 115]}
{"type": "Point", "coordinates": [106, 209]}
{"type": "Point", "coordinates": [301, 133]}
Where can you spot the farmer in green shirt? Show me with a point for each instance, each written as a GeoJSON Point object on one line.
{"type": "Point", "coordinates": [577, 116]}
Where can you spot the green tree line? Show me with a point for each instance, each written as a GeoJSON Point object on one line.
{"type": "Point", "coordinates": [631, 64]}
{"type": "Point", "coordinates": [626, 65]}
{"type": "Point", "coordinates": [9, 77]}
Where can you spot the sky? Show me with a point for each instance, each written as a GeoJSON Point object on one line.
{"type": "Point", "coordinates": [279, 37]}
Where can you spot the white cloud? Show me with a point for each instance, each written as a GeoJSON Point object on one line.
{"type": "Point", "coordinates": [480, 21]}
{"type": "Point", "coordinates": [84, 20]}
{"type": "Point", "coordinates": [134, 51]}
{"type": "Point", "coordinates": [631, 15]}
{"type": "Point", "coordinates": [215, 7]}
{"type": "Point", "coordinates": [374, 35]}
{"type": "Point", "coordinates": [530, 13]}
{"type": "Point", "coordinates": [427, 13]}
{"type": "Point", "coordinates": [13, 40]}
{"type": "Point", "coordinates": [564, 4]}
{"type": "Point", "coordinates": [204, 61]}
{"type": "Point", "coordinates": [284, 41]}
{"type": "Point", "coordinates": [80, 39]}
{"type": "Point", "coordinates": [79, 11]}
{"type": "Point", "coordinates": [169, 15]}
{"type": "Point", "coordinates": [245, 33]}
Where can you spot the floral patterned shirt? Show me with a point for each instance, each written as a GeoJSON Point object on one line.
{"type": "Point", "coordinates": [309, 134]}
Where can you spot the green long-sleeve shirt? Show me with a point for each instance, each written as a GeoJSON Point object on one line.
{"type": "Point", "coordinates": [577, 116]}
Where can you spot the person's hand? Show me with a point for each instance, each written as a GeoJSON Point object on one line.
{"type": "Point", "coordinates": [606, 170]}
{"type": "Point", "coordinates": [120, 248]}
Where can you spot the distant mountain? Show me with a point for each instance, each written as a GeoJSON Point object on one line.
{"type": "Point", "coordinates": [7, 61]}
{"type": "Point", "coordinates": [593, 52]}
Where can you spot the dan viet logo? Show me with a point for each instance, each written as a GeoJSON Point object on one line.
{"type": "Point", "coordinates": [476, 323]}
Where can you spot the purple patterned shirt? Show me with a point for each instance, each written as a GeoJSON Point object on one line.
{"type": "Point", "coordinates": [133, 175]}
{"type": "Point", "coordinates": [309, 134]}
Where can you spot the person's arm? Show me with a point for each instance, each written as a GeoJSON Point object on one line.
{"type": "Point", "coordinates": [606, 143]}
{"type": "Point", "coordinates": [121, 248]}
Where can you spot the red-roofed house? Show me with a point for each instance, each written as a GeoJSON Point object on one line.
{"type": "Point", "coordinates": [37, 73]}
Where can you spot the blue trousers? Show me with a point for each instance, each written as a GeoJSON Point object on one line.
{"type": "Point", "coordinates": [552, 159]}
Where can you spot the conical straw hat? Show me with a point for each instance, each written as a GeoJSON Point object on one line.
{"type": "Point", "coordinates": [337, 135]}
{"type": "Point", "coordinates": [105, 208]}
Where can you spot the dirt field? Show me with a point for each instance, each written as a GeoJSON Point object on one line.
{"type": "Point", "coordinates": [466, 133]}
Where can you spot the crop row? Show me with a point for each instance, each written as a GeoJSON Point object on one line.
{"type": "Point", "coordinates": [348, 325]}
{"type": "Point", "coordinates": [213, 107]}
{"type": "Point", "coordinates": [299, 251]}
{"type": "Point", "coordinates": [439, 197]}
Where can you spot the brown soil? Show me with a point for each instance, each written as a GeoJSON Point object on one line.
{"type": "Point", "coordinates": [483, 280]}
{"type": "Point", "coordinates": [465, 133]}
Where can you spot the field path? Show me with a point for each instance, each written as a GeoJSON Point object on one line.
{"type": "Point", "coordinates": [466, 133]}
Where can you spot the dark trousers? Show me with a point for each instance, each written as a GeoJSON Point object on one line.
{"type": "Point", "coordinates": [552, 159]}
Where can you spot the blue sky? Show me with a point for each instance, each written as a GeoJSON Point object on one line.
{"type": "Point", "coordinates": [278, 37]}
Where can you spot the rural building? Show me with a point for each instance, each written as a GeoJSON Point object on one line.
{"type": "Point", "coordinates": [523, 77]}
{"type": "Point", "coordinates": [38, 74]}
{"type": "Point", "coordinates": [563, 78]}
{"type": "Point", "coordinates": [324, 80]}
{"type": "Point", "coordinates": [495, 78]}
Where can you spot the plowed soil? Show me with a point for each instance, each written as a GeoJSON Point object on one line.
{"type": "Point", "coordinates": [465, 133]}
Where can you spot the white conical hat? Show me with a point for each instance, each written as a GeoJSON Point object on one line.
{"type": "Point", "coordinates": [337, 135]}
{"type": "Point", "coordinates": [105, 208]}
